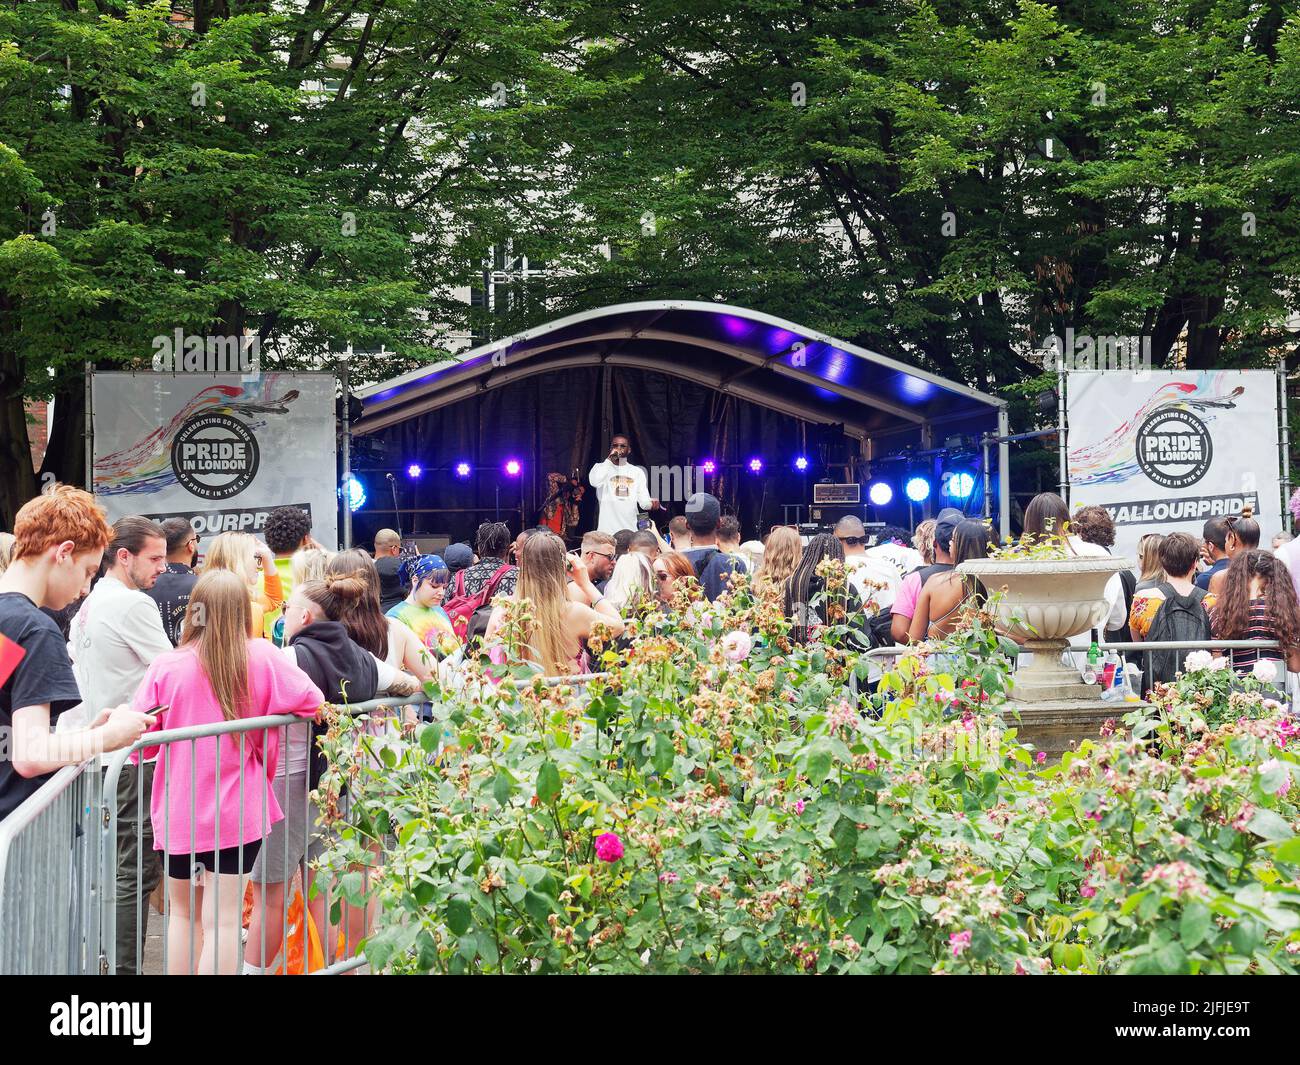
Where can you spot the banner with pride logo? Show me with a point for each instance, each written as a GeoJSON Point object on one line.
{"type": "Point", "coordinates": [1164, 450]}
{"type": "Point", "coordinates": [222, 450]}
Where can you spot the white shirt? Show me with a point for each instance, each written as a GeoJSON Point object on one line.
{"type": "Point", "coordinates": [904, 559]}
{"type": "Point", "coordinates": [621, 489]}
{"type": "Point", "coordinates": [862, 569]}
{"type": "Point", "coordinates": [1117, 616]}
{"type": "Point", "coordinates": [116, 634]}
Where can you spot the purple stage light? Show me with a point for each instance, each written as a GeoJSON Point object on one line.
{"type": "Point", "coordinates": [708, 466]}
{"type": "Point", "coordinates": [413, 471]}
{"type": "Point", "coordinates": [462, 469]}
{"type": "Point", "coordinates": [513, 468]}
{"type": "Point", "coordinates": [756, 465]}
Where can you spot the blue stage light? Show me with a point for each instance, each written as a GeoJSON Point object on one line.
{"type": "Point", "coordinates": [755, 465]}
{"type": "Point", "coordinates": [959, 485]}
{"type": "Point", "coordinates": [413, 471]}
{"type": "Point", "coordinates": [462, 469]}
{"type": "Point", "coordinates": [801, 464]}
{"type": "Point", "coordinates": [917, 489]}
{"type": "Point", "coordinates": [708, 466]}
{"type": "Point", "coordinates": [353, 492]}
{"type": "Point", "coordinates": [513, 468]}
{"type": "Point", "coordinates": [880, 494]}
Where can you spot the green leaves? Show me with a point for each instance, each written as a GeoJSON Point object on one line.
{"type": "Point", "coordinates": [548, 782]}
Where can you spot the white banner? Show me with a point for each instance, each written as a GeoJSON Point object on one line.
{"type": "Point", "coordinates": [221, 450]}
{"type": "Point", "coordinates": [1163, 451]}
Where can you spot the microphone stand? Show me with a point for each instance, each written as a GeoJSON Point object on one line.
{"type": "Point", "coordinates": [392, 483]}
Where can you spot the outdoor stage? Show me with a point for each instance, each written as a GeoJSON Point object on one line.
{"type": "Point", "coordinates": [752, 408]}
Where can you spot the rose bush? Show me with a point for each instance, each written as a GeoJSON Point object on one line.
{"type": "Point", "coordinates": [700, 809]}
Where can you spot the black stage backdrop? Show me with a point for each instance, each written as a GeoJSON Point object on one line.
{"type": "Point", "coordinates": [562, 421]}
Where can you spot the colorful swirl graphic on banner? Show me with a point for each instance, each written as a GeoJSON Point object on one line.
{"type": "Point", "coordinates": [145, 467]}
{"type": "Point", "coordinates": [1113, 459]}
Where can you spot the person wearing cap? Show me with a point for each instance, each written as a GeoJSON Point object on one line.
{"type": "Point", "coordinates": [458, 557]}
{"type": "Point", "coordinates": [421, 611]}
{"type": "Point", "coordinates": [910, 590]}
{"type": "Point", "coordinates": [874, 579]}
{"type": "Point", "coordinates": [712, 565]}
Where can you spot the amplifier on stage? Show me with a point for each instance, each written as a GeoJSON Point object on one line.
{"type": "Point", "coordinates": [837, 493]}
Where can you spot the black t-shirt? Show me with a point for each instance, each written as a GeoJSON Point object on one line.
{"type": "Point", "coordinates": [391, 591]}
{"type": "Point", "coordinates": [171, 591]}
{"type": "Point", "coordinates": [43, 676]}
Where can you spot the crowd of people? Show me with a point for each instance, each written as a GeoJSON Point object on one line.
{"type": "Point", "coordinates": [122, 631]}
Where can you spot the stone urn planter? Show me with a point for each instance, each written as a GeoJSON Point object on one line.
{"type": "Point", "coordinates": [1042, 604]}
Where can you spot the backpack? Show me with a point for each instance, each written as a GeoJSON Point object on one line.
{"type": "Point", "coordinates": [462, 608]}
{"type": "Point", "coordinates": [1181, 618]}
{"type": "Point", "coordinates": [880, 628]}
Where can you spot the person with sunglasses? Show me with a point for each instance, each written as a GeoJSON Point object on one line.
{"type": "Point", "coordinates": [598, 555]}
{"type": "Point", "coordinates": [874, 579]}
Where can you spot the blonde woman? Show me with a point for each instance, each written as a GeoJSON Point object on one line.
{"type": "Point", "coordinates": [218, 673]}
{"type": "Point", "coordinates": [308, 564]}
{"type": "Point", "coordinates": [923, 541]}
{"type": "Point", "coordinates": [1150, 571]}
{"type": "Point", "coordinates": [253, 562]}
{"type": "Point", "coordinates": [781, 555]}
{"type": "Point", "coordinates": [6, 550]}
{"type": "Point", "coordinates": [632, 582]}
{"type": "Point", "coordinates": [559, 628]}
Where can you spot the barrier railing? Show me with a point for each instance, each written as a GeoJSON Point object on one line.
{"type": "Point", "coordinates": [49, 909]}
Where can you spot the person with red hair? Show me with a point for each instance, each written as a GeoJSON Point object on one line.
{"type": "Point", "coordinates": [59, 540]}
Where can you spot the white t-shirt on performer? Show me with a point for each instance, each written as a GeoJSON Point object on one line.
{"type": "Point", "coordinates": [621, 489]}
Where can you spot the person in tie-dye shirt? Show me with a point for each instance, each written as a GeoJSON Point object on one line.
{"type": "Point", "coordinates": [420, 611]}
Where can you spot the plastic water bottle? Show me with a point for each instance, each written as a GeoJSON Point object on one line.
{"type": "Point", "coordinates": [1112, 683]}
{"type": "Point", "coordinates": [1090, 671]}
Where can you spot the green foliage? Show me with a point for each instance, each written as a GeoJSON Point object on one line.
{"type": "Point", "coordinates": [768, 824]}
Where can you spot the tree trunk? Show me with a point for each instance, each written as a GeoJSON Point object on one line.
{"type": "Point", "coordinates": [17, 478]}
{"type": "Point", "coordinates": [65, 455]}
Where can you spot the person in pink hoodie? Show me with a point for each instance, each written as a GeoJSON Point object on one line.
{"type": "Point", "coordinates": [211, 840]}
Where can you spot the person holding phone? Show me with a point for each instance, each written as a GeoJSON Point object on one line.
{"type": "Point", "coordinates": [211, 812]}
{"type": "Point", "coordinates": [620, 487]}
{"type": "Point", "coordinates": [116, 634]}
{"type": "Point", "coordinates": [559, 627]}
{"type": "Point", "coordinates": [59, 540]}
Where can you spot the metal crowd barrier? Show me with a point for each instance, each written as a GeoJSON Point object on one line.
{"type": "Point", "coordinates": [1146, 649]}
{"type": "Point", "coordinates": [49, 887]}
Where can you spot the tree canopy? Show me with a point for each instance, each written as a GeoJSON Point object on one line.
{"type": "Point", "coordinates": [947, 183]}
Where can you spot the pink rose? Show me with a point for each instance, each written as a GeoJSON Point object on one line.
{"type": "Point", "coordinates": [798, 806]}
{"type": "Point", "coordinates": [609, 848]}
{"type": "Point", "coordinates": [1040, 757]}
{"type": "Point", "coordinates": [1087, 890]}
{"type": "Point", "coordinates": [959, 941]}
{"type": "Point", "coordinates": [736, 646]}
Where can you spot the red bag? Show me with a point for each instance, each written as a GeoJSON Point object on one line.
{"type": "Point", "coordinates": [461, 607]}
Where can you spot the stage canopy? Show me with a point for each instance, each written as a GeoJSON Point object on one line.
{"type": "Point", "coordinates": [757, 358]}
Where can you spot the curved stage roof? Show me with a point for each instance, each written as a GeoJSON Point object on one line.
{"type": "Point", "coordinates": [754, 356]}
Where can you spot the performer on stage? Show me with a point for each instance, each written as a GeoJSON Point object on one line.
{"type": "Point", "coordinates": [620, 487]}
